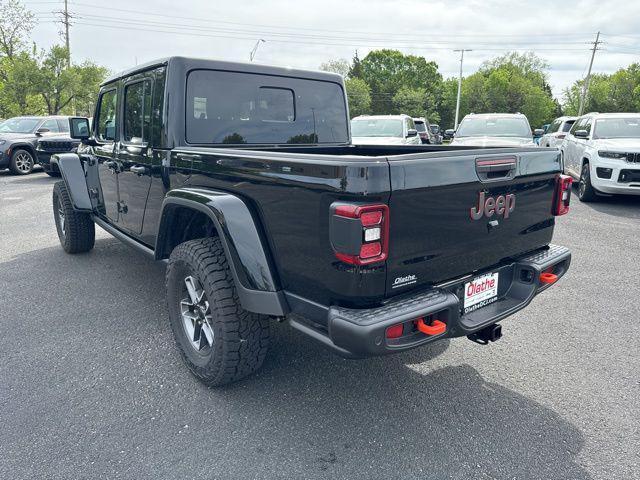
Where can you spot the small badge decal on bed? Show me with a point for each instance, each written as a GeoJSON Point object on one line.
{"type": "Point", "coordinates": [404, 281]}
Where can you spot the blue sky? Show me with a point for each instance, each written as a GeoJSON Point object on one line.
{"type": "Point", "coordinates": [303, 34]}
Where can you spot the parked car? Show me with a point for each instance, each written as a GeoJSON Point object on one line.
{"type": "Point", "coordinates": [494, 130]}
{"type": "Point", "coordinates": [557, 131]}
{"type": "Point", "coordinates": [602, 151]}
{"type": "Point", "coordinates": [435, 129]}
{"type": "Point", "coordinates": [424, 131]}
{"type": "Point", "coordinates": [262, 214]}
{"type": "Point", "coordinates": [384, 130]}
{"type": "Point", "coordinates": [50, 146]}
{"type": "Point", "coordinates": [19, 137]}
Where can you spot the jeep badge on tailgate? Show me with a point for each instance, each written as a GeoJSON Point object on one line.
{"type": "Point", "coordinates": [503, 204]}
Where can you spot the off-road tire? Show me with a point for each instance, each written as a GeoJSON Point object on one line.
{"type": "Point", "coordinates": [241, 338]}
{"type": "Point", "coordinates": [76, 230]}
{"type": "Point", "coordinates": [22, 162]}
{"type": "Point", "coordinates": [586, 192]}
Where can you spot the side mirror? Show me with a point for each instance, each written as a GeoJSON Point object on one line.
{"type": "Point", "coordinates": [449, 132]}
{"type": "Point", "coordinates": [581, 134]}
{"type": "Point", "coordinates": [42, 130]}
{"type": "Point", "coordinates": [79, 128]}
{"type": "Point", "coordinates": [412, 132]}
{"type": "Point", "coordinates": [538, 132]}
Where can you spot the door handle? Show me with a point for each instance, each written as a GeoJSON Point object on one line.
{"type": "Point", "coordinates": [138, 170]}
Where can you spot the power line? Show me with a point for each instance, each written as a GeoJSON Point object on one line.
{"type": "Point", "coordinates": [411, 36]}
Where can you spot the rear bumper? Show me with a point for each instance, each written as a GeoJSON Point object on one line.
{"type": "Point", "coordinates": [357, 333]}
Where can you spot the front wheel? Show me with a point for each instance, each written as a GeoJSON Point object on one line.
{"type": "Point", "coordinates": [76, 230]}
{"type": "Point", "coordinates": [586, 192]}
{"type": "Point", "coordinates": [22, 162]}
{"type": "Point", "coordinates": [219, 340]}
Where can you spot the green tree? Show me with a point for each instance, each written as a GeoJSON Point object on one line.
{"type": "Point", "coordinates": [65, 89]}
{"type": "Point", "coordinates": [339, 66]}
{"type": "Point", "coordinates": [510, 83]}
{"type": "Point", "coordinates": [618, 92]}
{"type": "Point", "coordinates": [355, 71]}
{"type": "Point", "coordinates": [410, 101]}
{"type": "Point", "coordinates": [16, 23]}
{"type": "Point", "coordinates": [387, 71]}
{"type": "Point", "coordinates": [359, 96]}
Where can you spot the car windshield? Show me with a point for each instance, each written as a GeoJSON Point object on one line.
{"type": "Point", "coordinates": [376, 127]}
{"type": "Point", "coordinates": [494, 127]}
{"type": "Point", "coordinates": [420, 127]}
{"type": "Point", "coordinates": [626, 127]}
{"type": "Point", "coordinates": [19, 125]}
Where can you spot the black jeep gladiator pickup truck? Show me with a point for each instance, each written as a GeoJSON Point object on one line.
{"type": "Point", "coordinates": [243, 180]}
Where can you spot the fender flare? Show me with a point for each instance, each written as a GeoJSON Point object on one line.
{"type": "Point", "coordinates": [250, 263]}
{"type": "Point", "coordinates": [73, 174]}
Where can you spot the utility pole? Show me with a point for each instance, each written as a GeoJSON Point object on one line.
{"type": "Point", "coordinates": [66, 22]}
{"type": "Point", "coordinates": [585, 86]}
{"type": "Point", "coordinates": [252, 54]}
{"type": "Point", "coordinates": [455, 127]}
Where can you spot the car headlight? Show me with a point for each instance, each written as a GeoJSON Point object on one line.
{"type": "Point", "coordinates": [616, 155]}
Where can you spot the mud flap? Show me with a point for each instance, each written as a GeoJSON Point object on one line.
{"type": "Point", "coordinates": [73, 175]}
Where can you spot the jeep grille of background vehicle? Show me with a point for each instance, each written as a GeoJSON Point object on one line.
{"type": "Point", "coordinates": [50, 146]}
{"type": "Point", "coordinates": [633, 157]}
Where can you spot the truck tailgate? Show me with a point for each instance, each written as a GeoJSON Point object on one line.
{"type": "Point", "coordinates": [435, 196]}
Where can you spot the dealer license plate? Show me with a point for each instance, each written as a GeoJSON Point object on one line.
{"type": "Point", "coordinates": [480, 292]}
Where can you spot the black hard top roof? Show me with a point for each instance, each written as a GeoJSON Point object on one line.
{"type": "Point", "coordinates": [188, 63]}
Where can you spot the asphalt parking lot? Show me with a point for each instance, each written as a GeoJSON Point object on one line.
{"type": "Point", "coordinates": [91, 385]}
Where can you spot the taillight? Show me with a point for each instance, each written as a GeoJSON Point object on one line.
{"type": "Point", "coordinates": [360, 233]}
{"type": "Point", "coordinates": [562, 195]}
{"type": "Point", "coordinates": [561, 135]}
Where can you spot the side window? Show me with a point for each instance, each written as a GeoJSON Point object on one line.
{"type": "Point", "coordinates": [587, 125]}
{"type": "Point", "coordinates": [554, 126]}
{"type": "Point", "coordinates": [107, 118]}
{"type": "Point", "coordinates": [137, 112]}
{"type": "Point", "coordinates": [51, 125]}
{"type": "Point", "coordinates": [577, 126]}
{"type": "Point", "coordinates": [63, 125]}
{"type": "Point", "coordinates": [567, 125]}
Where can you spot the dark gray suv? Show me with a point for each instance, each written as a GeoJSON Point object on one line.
{"type": "Point", "coordinates": [19, 137]}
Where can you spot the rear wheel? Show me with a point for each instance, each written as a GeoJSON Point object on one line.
{"type": "Point", "coordinates": [76, 230]}
{"type": "Point", "coordinates": [219, 340]}
{"type": "Point", "coordinates": [22, 162]}
{"type": "Point", "coordinates": [586, 192]}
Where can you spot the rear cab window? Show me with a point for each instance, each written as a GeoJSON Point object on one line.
{"type": "Point", "coordinates": [244, 108]}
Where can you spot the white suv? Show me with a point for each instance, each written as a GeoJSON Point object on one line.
{"type": "Point", "coordinates": [557, 132]}
{"type": "Point", "coordinates": [602, 151]}
{"type": "Point", "coordinates": [494, 130]}
{"type": "Point", "coordinates": [384, 130]}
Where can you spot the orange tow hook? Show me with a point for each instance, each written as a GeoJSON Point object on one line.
{"type": "Point", "coordinates": [436, 328]}
{"type": "Point", "coordinates": [548, 277]}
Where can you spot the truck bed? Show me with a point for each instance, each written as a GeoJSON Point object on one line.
{"type": "Point", "coordinates": [429, 190]}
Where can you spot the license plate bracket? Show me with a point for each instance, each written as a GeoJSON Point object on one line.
{"type": "Point", "coordinates": [480, 292]}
